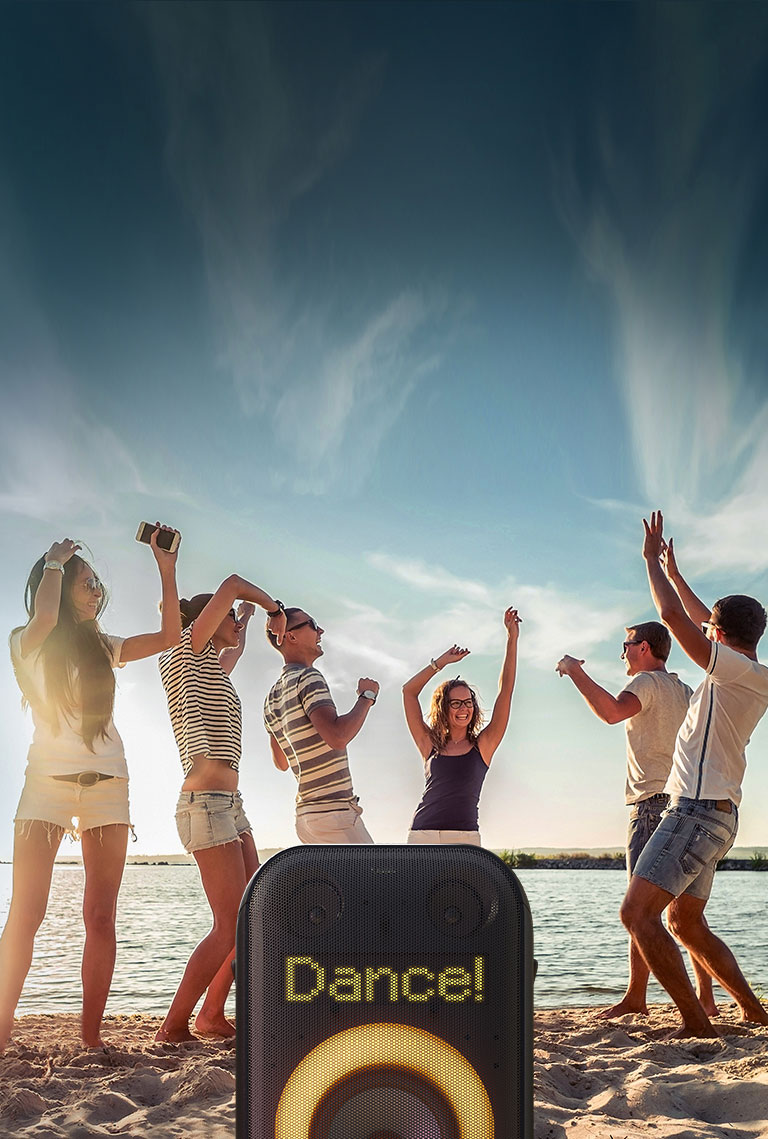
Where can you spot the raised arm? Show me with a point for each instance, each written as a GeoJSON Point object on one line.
{"type": "Point", "coordinates": [336, 730]}
{"type": "Point", "coordinates": [169, 634]}
{"type": "Point", "coordinates": [493, 733]}
{"type": "Point", "coordinates": [689, 635]}
{"type": "Point", "coordinates": [229, 658]}
{"type": "Point", "coordinates": [235, 588]}
{"type": "Point", "coordinates": [693, 605]}
{"type": "Point", "coordinates": [47, 598]}
{"type": "Point", "coordinates": [609, 709]}
{"type": "Point", "coordinates": [419, 730]}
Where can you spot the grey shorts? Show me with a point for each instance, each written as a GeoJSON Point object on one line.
{"type": "Point", "coordinates": [210, 818]}
{"type": "Point", "coordinates": [684, 850]}
{"type": "Point", "coordinates": [644, 817]}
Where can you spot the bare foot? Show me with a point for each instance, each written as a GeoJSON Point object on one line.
{"type": "Point", "coordinates": [180, 1035]}
{"type": "Point", "coordinates": [756, 1015]}
{"type": "Point", "coordinates": [686, 1033]}
{"type": "Point", "coordinates": [622, 1008]}
{"type": "Point", "coordinates": [97, 1045]}
{"type": "Point", "coordinates": [710, 1008]}
{"type": "Point", "coordinates": [214, 1026]}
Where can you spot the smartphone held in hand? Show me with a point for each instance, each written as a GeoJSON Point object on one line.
{"type": "Point", "coordinates": [167, 540]}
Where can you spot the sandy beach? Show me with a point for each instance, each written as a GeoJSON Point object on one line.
{"type": "Point", "coordinates": [617, 1080]}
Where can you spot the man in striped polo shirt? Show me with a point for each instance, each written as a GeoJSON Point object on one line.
{"type": "Point", "coordinates": [307, 735]}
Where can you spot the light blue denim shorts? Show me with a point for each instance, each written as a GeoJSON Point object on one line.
{"type": "Point", "coordinates": [210, 818]}
{"type": "Point", "coordinates": [644, 817]}
{"type": "Point", "coordinates": [684, 850]}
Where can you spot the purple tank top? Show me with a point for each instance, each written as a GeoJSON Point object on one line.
{"type": "Point", "coordinates": [452, 793]}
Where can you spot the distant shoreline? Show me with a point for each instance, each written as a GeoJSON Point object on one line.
{"type": "Point", "coordinates": [517, 860]}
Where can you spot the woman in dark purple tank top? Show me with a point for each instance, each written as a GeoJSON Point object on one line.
{"type": "Point", "coordinates": [457, 750]}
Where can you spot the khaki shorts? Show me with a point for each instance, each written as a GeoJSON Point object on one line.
{"type": "Point", "coordinates": [75, 809]}
{"type": "Point", "coordinates": [443, 838]}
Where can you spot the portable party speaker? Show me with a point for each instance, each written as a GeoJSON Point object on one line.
{"type": "Point", "coordinates": [384, 992]}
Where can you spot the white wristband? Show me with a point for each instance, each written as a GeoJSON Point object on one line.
{"type": "Point", "coordinates": [435, 665]}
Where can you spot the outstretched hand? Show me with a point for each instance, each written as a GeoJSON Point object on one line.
{"type": "Point", "coordinates": [653, 541]}
{"type": "Point", "coordinates": [512, 621]}
{"type": "Point", "coordinates": [163, 557]}
{"type": "Point", "coordinates": [276, 625]}
{"type": "Point", "coordinates": [668, 559]}
{"type": "Point", "coordinates": [62, 551]}
{"type": "Point", "coordinates": [245, 611]}
{"type": "Point", "coordinates": [451, 656]}
{"type": "Point", "coordinates": [567, 665]}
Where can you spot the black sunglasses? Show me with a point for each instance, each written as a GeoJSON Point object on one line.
{"type": "Point", "coordinates": [309, 621]}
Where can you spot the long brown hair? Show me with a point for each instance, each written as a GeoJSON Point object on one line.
{"type": "Point", "coordinates": [437, 718]}
{"type": "Point", "coordinates": [76, 657]}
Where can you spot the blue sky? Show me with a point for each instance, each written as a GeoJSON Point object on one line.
{"type": "Point", "coordinates": [407, 312]}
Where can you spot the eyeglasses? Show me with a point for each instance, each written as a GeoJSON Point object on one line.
{"type": "Point", "coordinates": [456, 704]}
{"type": "Point", "coordinates": [309, 621]}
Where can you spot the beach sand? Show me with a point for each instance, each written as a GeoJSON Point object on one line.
{"type": "Point", "coordinates": [617, 1080]}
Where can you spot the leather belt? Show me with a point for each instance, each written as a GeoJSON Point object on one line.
{"type": "Point", "coordinates": [83, 778]}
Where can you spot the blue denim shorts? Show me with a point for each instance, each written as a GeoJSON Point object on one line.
{"type": "Point", "coordinates": [684, 850]}
{"type": "Point", "coordinates": [644, 817]}
{"type": "Point", "coordinates": [210, 818]}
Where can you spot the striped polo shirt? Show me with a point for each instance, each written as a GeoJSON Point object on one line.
{"type": "Point", "coordinates": [322, 772]}
{"type": "Point", "coordinates": [205, 709]}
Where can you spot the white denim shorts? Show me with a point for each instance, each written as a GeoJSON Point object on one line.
{"type": "Point", "coordinates": [328, 828]}
{"type": "Point", "coordinates": [443, 838]}
{"type": "Point", "coordinates": [75, 809]}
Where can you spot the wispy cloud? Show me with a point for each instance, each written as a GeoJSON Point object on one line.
{"type": "Point", "coordinates": [474, 614]}
{"type": "Point", "coordinates": [57, 460]}
{"type": "Point", "coordinates": [353, 393]}
{"type": "Point", "coordinates": [247, 147]}
{"type": "Point", "coordinates": [664, 225]}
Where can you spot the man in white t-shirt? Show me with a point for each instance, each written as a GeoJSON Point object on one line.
{"type": "Point", "coordinates": [699, 827]}
{"type": "Point", "coordinates": [652, 706]}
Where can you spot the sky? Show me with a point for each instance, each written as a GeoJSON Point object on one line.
{"type": "Point", "coordinates": [405, 312]}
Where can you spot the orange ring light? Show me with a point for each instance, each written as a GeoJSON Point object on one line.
{"type": "Point", "coordinates": [393, 1045]}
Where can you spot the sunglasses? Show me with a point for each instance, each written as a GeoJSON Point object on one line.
{"type": "Point", "coordinates": [93, 585]}
{"type": "Point", "coordinates": [309, 621]}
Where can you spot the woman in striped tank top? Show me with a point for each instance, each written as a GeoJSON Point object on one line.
{"type": "Point", "coordinates": [206, 717]}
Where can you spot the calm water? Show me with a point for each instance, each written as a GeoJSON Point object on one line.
{"type": "Point", "coordinates": [579, 943]}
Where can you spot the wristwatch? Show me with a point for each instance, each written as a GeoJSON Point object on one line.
{"type": "Point", "coordinates": [276, 612]}
{"type": "Point", "coordinates": [53, 564]}
{"type": "Point", "coordinates": [369, 694]}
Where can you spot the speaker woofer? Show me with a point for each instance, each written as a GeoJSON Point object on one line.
{"type": "Point", "coordinates": [381, 1102]}
{"type": "Point", "coordinates": [435, 1074]}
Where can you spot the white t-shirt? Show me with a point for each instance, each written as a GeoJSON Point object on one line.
{"type": "Point", "coordinates": [57, 747]}
{"type": "Point", "coordinates": [652, 732]}
{"type": "Point", "coordinates": [709, 758]}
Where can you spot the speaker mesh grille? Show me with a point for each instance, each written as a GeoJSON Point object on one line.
{"type": "Point", "coordinates": [389, 991]}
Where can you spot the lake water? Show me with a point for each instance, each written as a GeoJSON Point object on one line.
{"type": "Point", "coordinates": [579, 943]}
